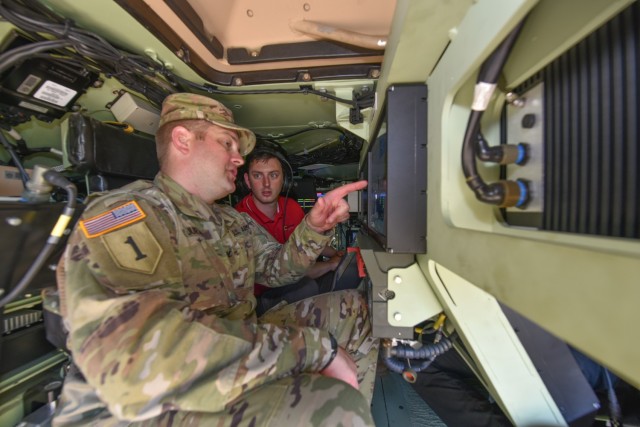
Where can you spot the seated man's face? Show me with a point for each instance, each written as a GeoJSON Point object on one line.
{"type": "Point", "coordinates": [265, 179]}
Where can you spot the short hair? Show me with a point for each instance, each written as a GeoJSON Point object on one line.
{"type": "Point", "coordinates": [258, 155]}
{"type": "Point", "coordinates": [163, 135]}
{"type": "Point", "coordinates": [265, 150]}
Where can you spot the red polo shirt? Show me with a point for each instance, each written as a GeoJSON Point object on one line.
{"type": "Point", "coordinates": [292, 214]}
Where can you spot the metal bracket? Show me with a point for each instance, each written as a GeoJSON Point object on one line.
{"type": "Point", "coordinates": [414, 301]}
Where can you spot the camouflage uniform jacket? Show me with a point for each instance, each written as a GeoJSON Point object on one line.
{"type": "Point", "coordinates": [159, 302]}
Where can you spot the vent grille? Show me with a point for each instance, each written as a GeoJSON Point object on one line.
{"type": "Point", "coordinates": [21, 319]}
{"type": "Point", "coordinates": [592, 122]}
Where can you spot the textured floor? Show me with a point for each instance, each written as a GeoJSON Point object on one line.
{"type": "Point", "coordinates": [395, 404]}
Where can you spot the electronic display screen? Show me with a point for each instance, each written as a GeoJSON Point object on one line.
{"type": "Point", "coordinates": [397, 157]}
{"type": "Point", "coordinates": [378, 183]}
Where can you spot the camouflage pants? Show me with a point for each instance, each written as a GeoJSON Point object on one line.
{"type": "Point", "coordinates": [344, 314]}
{"type": "Point", "coordinates": [307, 400]}
{"type": "Point", "coordinates": [304, 400]}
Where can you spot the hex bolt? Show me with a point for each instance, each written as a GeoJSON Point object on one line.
{"type": "Point", "coordinates": [515, 99]}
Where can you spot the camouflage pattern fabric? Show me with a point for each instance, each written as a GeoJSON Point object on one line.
{"type": "Point", "coordinates": [158, 301]}
{"type": "Point", "coordinates": [344, 314]}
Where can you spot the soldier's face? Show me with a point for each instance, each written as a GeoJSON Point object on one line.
{"type": "Point", "coordinates": [265, 179]}
{"type": "Point", "coordinates": [216, 160]}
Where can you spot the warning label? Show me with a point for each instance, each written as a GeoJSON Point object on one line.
{"type": "Point", "coordinates": [55, 93]}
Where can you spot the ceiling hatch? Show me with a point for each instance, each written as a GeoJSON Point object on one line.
{"type": "Point", "coordinates": [244, 42]}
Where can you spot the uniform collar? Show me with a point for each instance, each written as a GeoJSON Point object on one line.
{"type": "Point", "coordinates": [186, 202]}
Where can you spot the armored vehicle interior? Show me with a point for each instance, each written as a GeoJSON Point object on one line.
{"type": "Point", "coordinates": [500, 140]}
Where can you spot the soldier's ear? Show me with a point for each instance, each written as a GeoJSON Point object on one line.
{"type": "Point", "coordinates": [246, 180]}
{"type": "Point", "coordinates": [181, 139]}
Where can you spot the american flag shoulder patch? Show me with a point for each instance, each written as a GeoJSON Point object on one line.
{"type": "Point", "coordinates": [112, 220]}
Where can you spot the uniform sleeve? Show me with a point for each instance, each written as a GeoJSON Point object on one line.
{"type": "Point", "coordinates": [293, 260]}
{"type": "Point", "coordinates": [295, 212]}
{"type": "Point", "coordinates": [137, 342]}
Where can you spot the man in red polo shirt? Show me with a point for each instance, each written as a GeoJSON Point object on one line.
{"type": "Point", "coordinates": [279, 215]}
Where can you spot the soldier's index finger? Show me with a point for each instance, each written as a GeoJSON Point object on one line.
{"type": "Point", "coordinates": [342, 191]}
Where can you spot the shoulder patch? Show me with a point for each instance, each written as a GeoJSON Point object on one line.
{"type": "Point", "coordinates": [135, 249]}
{"type": "Point", "coordinates": [113, 219]}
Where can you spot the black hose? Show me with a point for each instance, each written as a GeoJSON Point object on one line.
{"type": "Point", "coordinates": [399, 366]}
{"type": "Point", "coordinates": [503, 193]}
{"type": "Point", "coordinates": [429, 351]}
{"type": "Point", "coordinates": [7, 59]}
{"type": "Point", "coordinates": [406, 360]}
{"type": "Point", "coordinates": [468, 152]}
{"type": "Point", "coordinates": [487, 193]}
{"type": "Point", "coordinates": [492, 66]}
{"type": "Point", "coordinates": [58, 180]}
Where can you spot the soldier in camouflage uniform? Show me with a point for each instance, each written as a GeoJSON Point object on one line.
{"type": "Point", "coordinates": [156, 291]}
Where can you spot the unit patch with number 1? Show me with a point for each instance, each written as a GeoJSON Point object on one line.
{"type": "Point", "coordinates": [129, 242]}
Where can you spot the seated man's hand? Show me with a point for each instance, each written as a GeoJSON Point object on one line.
{"type": "Point", "coordinates": [334, 261]}
{"type": "Point", "coordinates": [342, 368]}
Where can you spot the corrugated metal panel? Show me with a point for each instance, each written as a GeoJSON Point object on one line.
{"type": "Point", "coordinates": [592, 116]}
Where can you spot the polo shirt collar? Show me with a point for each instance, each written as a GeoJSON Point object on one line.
{"type": "Point", "coordinates": [264, 218]}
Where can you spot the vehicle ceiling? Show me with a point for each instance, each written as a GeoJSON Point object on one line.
{"type": "Point", "coordinates": [236, 50]}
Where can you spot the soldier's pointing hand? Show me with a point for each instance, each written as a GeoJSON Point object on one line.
{"type": "Point", "coordinates": [332, 208]}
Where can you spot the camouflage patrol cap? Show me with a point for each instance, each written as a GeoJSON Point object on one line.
{"type": "Point", "coordinates": [189, 106]}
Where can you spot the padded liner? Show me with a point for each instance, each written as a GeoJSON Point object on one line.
{"type": "Point", "coordinates": [95, 147]}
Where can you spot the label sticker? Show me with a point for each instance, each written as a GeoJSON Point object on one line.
{"type": "Point", "coordinates": [55, 93]}
{"type": "Point", "coordinates": [29, 84]}
{"type": "Point", "coordinates": [30, 106]}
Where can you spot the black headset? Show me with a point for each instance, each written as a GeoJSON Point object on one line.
{"type": "Point", "coordinates": [270, 149]}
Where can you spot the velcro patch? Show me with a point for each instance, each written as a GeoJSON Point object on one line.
{"type": "Point", "coordinates": [135, 249]}
{"type": "Point", "coordinates": [112, 220]}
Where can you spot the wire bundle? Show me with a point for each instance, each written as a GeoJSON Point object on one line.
{"type": "Point", "coordinates": [57, 38]}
